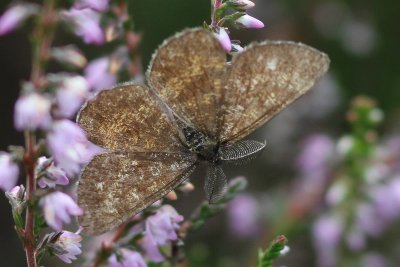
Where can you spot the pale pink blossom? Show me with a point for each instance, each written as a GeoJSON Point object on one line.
{"type": "Point", "coordinates": [49, 174]}
{"type": "Point", "coordinates": [160, 229]}
{"type": "Point", "coordinates": [248, 21]}
{"type": "Point", "coordinates": [242, 216]}
{"type": "Point", "coordinates": [15, 15]}
{"type": "Point", "coordinates": [243, 4]}
{"type": "Point", "coordinates": [69, 243]}
{"type": "Point", "coordinates": [71, 94]}
{"type": "Point", "coordinates": [97, 5]}
{"type": "Point", "coordinates": [57, 209]}
{"type": "Point", "coordinates": [98, 74]}
{"type": "Point", "coordinates": [86, 23]}
{"type": "Point", "coordinates": [129, 258]}
{"type": "Point", "coordinates": [9, 172]}
{"type": "Point", "coordinates": [224, 39]}
{"type": "Point", "coordinates": [69, 55]}
{"type": "Point", "coordinates": [68, 145]}
{"type": "Point", "coordinates": [327, 233]}
{"type": "Point", "coordinates": [32, 112]}
{"type": "Point", "coordinates": [317, 152]}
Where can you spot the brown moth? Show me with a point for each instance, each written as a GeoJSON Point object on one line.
{"type": "Point", "coordinates": [195, 109]}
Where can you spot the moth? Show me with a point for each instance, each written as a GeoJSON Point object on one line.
{"type": "Point", "coordinates": [195, 109]}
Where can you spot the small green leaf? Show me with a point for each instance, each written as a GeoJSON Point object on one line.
{"type": "Point", "coordinates": [266, 258]}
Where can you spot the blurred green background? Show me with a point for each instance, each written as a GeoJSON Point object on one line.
{"type": "Point", "coordinates": [362, 39]}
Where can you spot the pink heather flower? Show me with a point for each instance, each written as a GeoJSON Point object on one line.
{"type": "Point", "coordinates": [317, 151]}
{"type": "Point", "coordinates": [384, 208]}
{"type": "Point", "coordinates": [9, 172]}
{"type": "Point", "coordinates": [327, 232]}
{"type": "Point", "coordinates": [97, 5]}
{"type": "Point", "coordinates": [243, 4]}
{"type": "Point", "coordinates": [92, 150]}
{"type": "Point", "coordinates": [224, 39]}
{"type": "Point", "coordinates": [16, 197]}
{"type": "Point", "coordinates": [68, 145]}
{"type": "Point", "coordinates": [86, 24]}
{"type": "Point", "coordinates": [50, 174]}
{"type": "Point", "coordinates": [57, 209]}
{"type": "Point", "coordinates": [69, 55]}
{"type": "Point", "coordinates": [98, 75]}
{"type": "Point", "coordinates": [17, 192]}
{"type": "Point", "coordinates": [248, 21]}
{"type": "Point", "coordinates": [32, 111]}
{"type": "Point", "coordinates": [160, 228]}
{"type": "Point", "coordinates": [15, 15]}
{"type": "Point", "coordinates": [69, 243]}
{"type": "Point", "coordinates": [242, 216]}
{"type": "Point", "coordinates": [129, 258]}
{"type": "Point", "coordinates": [71, 94]}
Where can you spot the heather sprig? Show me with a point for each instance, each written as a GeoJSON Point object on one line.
{"type": "Point", "coordinates": [55, 147]}
{"type": "Point", "coordinates": [226, 14]}
{"type": "Point", "coordinates": [276, 249]}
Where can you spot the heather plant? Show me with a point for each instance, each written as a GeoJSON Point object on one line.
{"type": "Point", "coordinates": [56, 148]}
{"type": "Point", "coordinates": [345, 194]}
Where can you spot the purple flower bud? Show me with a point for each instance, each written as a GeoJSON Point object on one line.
{"type": "Point", "coordinates": [327, 232]}
{"type": "Point", "coordinates": [71, 94]}
{"type": "Point", "coordinates": [69, 55]}
{"type": "Point", "coordinates": [15, 15]}
{"type": "Point", "coordinates": [224, 39]}
{"type": "Point", "coordinates": [248, 21]}
{"type": "Point", "coordinates": [68, 145]}
{"type": "Point", "coordinates": [49, 174]}
{"type": "Point", "coordinates": [32, 111]}
{"type": "Point", "coordinates": [128, 258]}
{"type": "Point", "coordinates": [317, 151]}
{"type": "Point", "coordinates": [16, 198]}
{"type": "Point", "coordinates": [17, 192]}
{"type": "Point", "coordinates": [98, 74]}
{"type": "Point", "coordinates": [242, 216]}
{"type": "Point", "coordinates": [57, 209]}
{"type": "Point", "coordinates": [97, 5]}
{"type": "Point", "coordinates": [86, 24]}
{"type": "Point", "coordinates": [69, 244]}
{"type": "Point", "coordinates": [243, 4]}
{"type": "Point", "coordinates": [160, 228]}
{"type": "Point", "coordinates": [9, 172]}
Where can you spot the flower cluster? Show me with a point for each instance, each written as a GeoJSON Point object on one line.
{"type": "Point", "coordinates": [239, 19]}
{"type": "Point", "coordinates": [44, 109]}
{"type": "Point", "coordinates": [369, 180]}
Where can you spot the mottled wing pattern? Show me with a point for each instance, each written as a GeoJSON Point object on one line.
{"type": "Point", "coordinates": [187, 73]}
{"type": "Point", "coordinates": [263, 80]}
{"type": "Point", "coordinates": [129, 118]}
{"type": "Point", "coordinates": [115, 186]}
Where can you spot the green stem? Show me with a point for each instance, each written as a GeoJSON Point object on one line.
{"type": "Point", "coordinates": [215, 4]}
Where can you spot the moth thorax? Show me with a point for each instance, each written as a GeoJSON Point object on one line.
{"type": "Point", "coordinates": [200, 144]}
{"type": "Point", "coordinates": [208, 151]}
